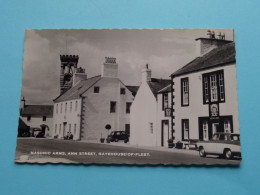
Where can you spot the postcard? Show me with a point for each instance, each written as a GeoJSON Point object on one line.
{"type": "Point", "coordinates": [129, 96]}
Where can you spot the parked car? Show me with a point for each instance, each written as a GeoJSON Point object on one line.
{"type": "Point", "coordinates": [115, 136]}
{"type": "Point", "coordinates": [37, 132]}
{"type": "Point", "coordinates": [225, 145]}
{"type": "Point", "coordinates": [68, 136]}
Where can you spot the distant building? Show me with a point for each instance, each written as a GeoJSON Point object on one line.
{"type": "Point", "coordinates": [151, 111]}
{"type": "Point", "coordinates": [87, 105]}
{"type": "Point", "coordinates": [36, 116]}
{"type": "Point", "coordinates": [205, 92]}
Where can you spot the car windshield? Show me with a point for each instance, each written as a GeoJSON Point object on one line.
{"type": "Point", "coordinates": [112, 133]}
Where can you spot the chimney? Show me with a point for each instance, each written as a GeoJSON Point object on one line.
{"type": "Point", "coordinates": [205, 45]}
{"type": "Point", "coordinates": [110, 68]}
{"type": "Point", "coordinates": [79, 75]}
{"type": "Point", "coordinates": [22, 104]}
{"type": "Point", "coordinates": [146, 74]}
{"type": "Point", "coordinates": [68, 66]}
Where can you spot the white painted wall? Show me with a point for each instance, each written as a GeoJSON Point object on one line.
{"type": "Point", "coordinates": [161, 116]}
{"type": "Point", "coordinates": [143, 112]}
{"type": "Point", "coordinates": [70, 116]}
{"type": "Point", "coordinates": [36, 122]}
{"type": "Point", "coordinates": [97, 109]}
{"type": "Point", "coordinates": [196, 107]}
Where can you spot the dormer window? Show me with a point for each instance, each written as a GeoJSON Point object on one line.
{"type": "Point", "coordinates": [122, 91]}
{"type": "Point", "coordinates": [96, 89]}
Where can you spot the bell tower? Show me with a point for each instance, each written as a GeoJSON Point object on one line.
{"type": "Point", "coordinates": [68, 66]}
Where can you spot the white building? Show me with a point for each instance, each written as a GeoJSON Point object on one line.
{"type": "Point", "coordinates": [150, 126]}
{"type": "Point", "coordinates": [205, 93]}
{"type": "Point", "coordinates": [87, 105]}
{"type": "Point", "coordinates": [37, 116]}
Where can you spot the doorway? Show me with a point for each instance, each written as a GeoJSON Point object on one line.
{"type": "Point", "coordinates": [165, 136]}
{"type": "Point", "coordinates": [215, 128]}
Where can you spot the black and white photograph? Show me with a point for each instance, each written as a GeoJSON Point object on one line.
{"type": "Point", "coordinates": [129, 96]}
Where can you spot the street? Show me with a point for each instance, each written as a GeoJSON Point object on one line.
{"type": "Point", "coordinates": [52, 150]}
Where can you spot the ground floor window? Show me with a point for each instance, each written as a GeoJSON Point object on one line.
{"type": "Point", "coordinates": [185, 129]}
{"type": "Point", "coordinates": [75, 129]}
{"type": "Point", "coordinates": [209, 126]}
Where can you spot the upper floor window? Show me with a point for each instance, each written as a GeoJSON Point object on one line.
{"type": "Point", "coordinates": [76, 106]}
{"type": "Point", "coordinates": [122, 91]}
{"type": "Point", "coordinates": [128, 106]}
{"type": "Point", "coordinates": [96, 89]}
{"type": "Point", "coordinates": [165, 101]}
{"type": "Point", "coordinates": [57, 108]}
{"type": "Point", "coordinates": [70, 106]}
{"type": "Point", "coordinates": [112, 107]}
{"type": "Point", "coordinates": [66, 107]}
{"type": "Point", "coordinates": [44, 118]}
{"type": "Point", "coordinates": [185, 91]}
{"type": "Point", "coordinates": [28, 118]}
{"type": "Point", "coordinates": [61, 108]}
{"type": "Point", "coordinates": [213, 87]}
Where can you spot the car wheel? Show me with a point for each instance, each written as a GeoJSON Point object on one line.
{"type": "Point", "coordinates": [126, 140]}
{"type": "Point", "coordinates": [228, 154]}
{"type": "Point", "coordinates": [202, 152]}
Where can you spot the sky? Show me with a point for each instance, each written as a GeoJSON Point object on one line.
{"type": "Point", "coordinates": [164, 50]}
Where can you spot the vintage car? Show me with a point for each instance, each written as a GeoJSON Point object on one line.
{"type": "Point", "coordinates": [37, 132]}
{"type": "Point", "coordinates": [226, 145]}
{"type": "Point", "coordinates": [115, 136]}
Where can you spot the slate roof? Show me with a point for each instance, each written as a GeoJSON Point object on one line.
{"type": "Point", "coordinates": [133, 89]}
{"type": "Point", "coordinates": [37, 110]}
{"type": "Point", "coordinates": [217, 57]}
{"type": "Point", "coordinates": [77, 90]}
{"type": "Point", "coordinates": [165, 89]}
{"type": "Point", "coordinates": [157, 84]}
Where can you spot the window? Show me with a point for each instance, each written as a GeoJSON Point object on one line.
{"type": "Point", "coordinates": [122, 91]}
{"type": "Point", "coordinates": [57, 108]}
{"type": "Point", "coordinates": [112, 107]}
{"type": "Point", "coordinates": [185, 129]}
{"type": "Point", "coordinates": [66, 107]}
{"type": "Point", "coordinates": [60, 129]}
{"type": "Point", "coordinates": [165, 101]}
{"type": "Point", "coordinates": [28, 118]}
{"type": "Point", "coordinates": [44, 118]}
{"type": "Point", "coordinates": [61, 108]}
{"type": "Point", "coordinates": [55, 129]}
{"type": "Point", "coordinates": [185, 92]}
{"type": "Point", "coordinates": [128, 106]}
{"type": "Point", "coordinates": [70, 106]}
{"type": "Point", "coordinates": [227, 128]}
{"type": "Point", "coordinates": [151, 128]}
{"type": "Point", "coordinates": [205, 130]}
{"type": "Point", "coordinates": [69, 127]}
{"type": "Point", "coordinates": [75, 128]}
{"type": "Point", "coordinates": [213, 87]}
{"type": "Point", "coordinates": [76, 106]}
{"type": "Point", "coordinates": [96, 89]}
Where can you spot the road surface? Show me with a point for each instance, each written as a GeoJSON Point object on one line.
{"type": "Point", "coordinates": [49, 150]}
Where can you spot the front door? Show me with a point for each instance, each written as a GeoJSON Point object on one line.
{"type": "Point", "coordinates": [215, 128]}
{"type": "Point", "coordinates": [64, 129]}
{"type": "Point", "coordinates": [165, 133]}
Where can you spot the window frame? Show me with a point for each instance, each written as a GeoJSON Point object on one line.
{"type": "Point", "coordinates": [183, 121]}
{"type": "Point", "coordinates": [183, 80]}
{"type": "Point", "coordinates": [128, 107]}
{"type": "Point", "coordinates": [113, 103]}
{"type": "Point", "coordinates": [207, 87]}
{"type": "Point", "coordinates": [96, 89]}
{"type": "Point", "coordinates": [122, 91]}
{"type": "Point", "coordinates": [44, 118]}
{"type": "Point", "coordinates": [163, 100]}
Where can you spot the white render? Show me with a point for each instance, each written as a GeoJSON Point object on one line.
{"type": "Point", "coordinates": [37, 121]}
{"type": "Point", "coordinates": [196, 107]}
{"type": "Point", "coordinates": [71, 117]}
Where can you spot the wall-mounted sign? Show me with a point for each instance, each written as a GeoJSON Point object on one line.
{"type": "Point", "coordinates": [213, 110]}
{"type": "Point", "coordinates": [167, 112]}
